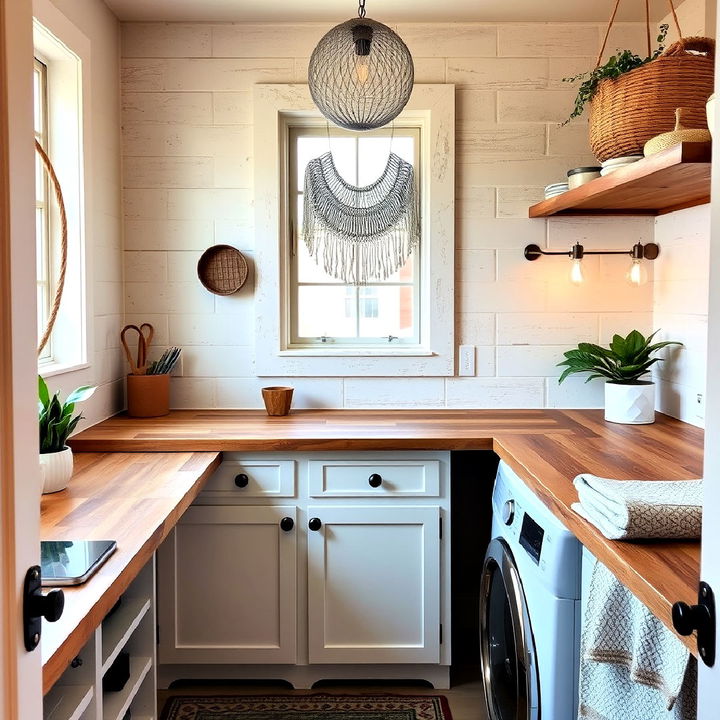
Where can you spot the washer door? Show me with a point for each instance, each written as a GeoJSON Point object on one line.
{"type": "Point", "coordinates": [507, 650]}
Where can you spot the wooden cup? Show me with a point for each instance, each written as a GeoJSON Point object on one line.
{"type": "Point", "coordinates": [148, 395]}
{"type": "Point", "coordinates": [277, 400]}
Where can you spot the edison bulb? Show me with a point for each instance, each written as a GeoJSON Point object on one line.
{"type": "Point", "coordinates": [576, 273]}
{"type": "Point", "coordinates": [637, 274]}
{"type": "Point", "coordinates": [362, 69]}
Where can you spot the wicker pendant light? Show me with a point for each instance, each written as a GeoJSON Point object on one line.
{"type": "Point", "coordinates": [361, 74]}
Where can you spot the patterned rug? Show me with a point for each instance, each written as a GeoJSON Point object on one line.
{"type": "Point", "coordinates": [308, 707]}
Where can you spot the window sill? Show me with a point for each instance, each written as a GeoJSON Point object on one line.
{"type": "Point", "coordinates": [53, 368]}
{"type": "Point", "coordinates": [356, 352]}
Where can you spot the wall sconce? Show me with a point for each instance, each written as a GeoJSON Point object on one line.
{"type": "Point", "coordinates": [636, 274]}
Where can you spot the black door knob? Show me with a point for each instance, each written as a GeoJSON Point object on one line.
{"type": "Point", "coordinates": [315, 524]}
{"type": "Point", "coordinates": [375, 480]}
{"type": "Point", "coordinates": [49, 606]}
{"type": "Point", "coordinates": [242, 480]}
{"type": "Point", "coordinates": [688, 618]}
{"type": "Point", "coordinates": [287, 524]}
{"type": "Point", "coordinates": [701, 618]}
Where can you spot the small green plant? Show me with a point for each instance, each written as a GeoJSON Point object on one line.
{"type": "Point", "coordinates": [625, 361]}
{"type": "Point", "coordinates": [56, 418]}
{"type": "Point", "coordinates": [622, 62]}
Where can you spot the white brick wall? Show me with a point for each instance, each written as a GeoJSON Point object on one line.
{"type": "Point", "coordinates": [188, 184]}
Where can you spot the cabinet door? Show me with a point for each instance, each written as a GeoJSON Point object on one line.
{"type": "Point", "coordinates": [374, 585]}
{"type": "Point", "coordinates": [227, 586]}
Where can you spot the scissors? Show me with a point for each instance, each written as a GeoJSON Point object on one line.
{"type": "Point", "coordinates": [145, 335]}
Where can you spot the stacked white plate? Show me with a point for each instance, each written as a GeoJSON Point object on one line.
{"type": "Point", "coordinates": [616, 163]}
{"type": "Point", "coordinates": [555, 189]}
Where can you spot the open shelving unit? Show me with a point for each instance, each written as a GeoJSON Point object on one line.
{"type": "Point", "coordinates": [78, 694]}
{"type": "Point", "coordinates": [673, 179]}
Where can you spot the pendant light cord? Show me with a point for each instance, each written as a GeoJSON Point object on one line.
{"type": "Point", "coordinates": [361, 9]}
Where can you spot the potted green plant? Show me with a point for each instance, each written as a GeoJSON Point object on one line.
{"type": "Point", "coordinates": [629, 399]}
{"type": "Point", "coordinates": [56, 424]}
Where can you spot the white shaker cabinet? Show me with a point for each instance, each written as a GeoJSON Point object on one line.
{"type": "Point", "coordinates": [227, 585]}
{"type": "Point", "coordinates": [374, 584]}
{"type": "Point", "coordinates": [365, 595]}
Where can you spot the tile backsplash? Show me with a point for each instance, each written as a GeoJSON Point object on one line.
{"type": "Point", "coordinates": [187, 161]}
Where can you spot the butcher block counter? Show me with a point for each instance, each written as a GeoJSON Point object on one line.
{"type": "Point", "coordinates": [547, 448]}
{"type": "Point", "coordinates": [135, 499]}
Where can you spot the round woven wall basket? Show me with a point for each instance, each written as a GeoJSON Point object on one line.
{"type": "Point", "coordinates": [222, 269]}
{"type": "Point", "coordinates": [629, 110]}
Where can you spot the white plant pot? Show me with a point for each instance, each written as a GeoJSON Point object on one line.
{"type": "Point", "coordinates": [56, 469]}
{"type": "Point", "coordinates": [630, 404]}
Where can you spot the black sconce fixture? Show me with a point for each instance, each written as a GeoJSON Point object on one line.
{"type": "Point", "coordinates": [636, 275]}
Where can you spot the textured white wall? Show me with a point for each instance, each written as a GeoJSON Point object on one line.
{"type": "Point", "coordinates": [103, 232]}
{"type": "Point", "coordinates": [188, 184]}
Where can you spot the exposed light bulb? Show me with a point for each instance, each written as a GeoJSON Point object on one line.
{"type": "Point", "coordinates": [362, 69]}
{"type": "Point", "coordinates": [637, 274]}
{"type": "Point", "coordinates": [576, 273]}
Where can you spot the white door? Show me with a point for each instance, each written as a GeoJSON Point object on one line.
{"type": "Point", "coordinates": [374, 584]}
{"type": "Point", "coordinates": [709, 682]}
{"type": "Point", "coordinates": [227, 586]}
{"type": "Point", "coordinates": [20, 671]}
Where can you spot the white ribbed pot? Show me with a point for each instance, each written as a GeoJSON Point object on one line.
{"type": "Point", "coordinates": [630, 404]}
{"type": "Point", "coordinates": [56, 469]}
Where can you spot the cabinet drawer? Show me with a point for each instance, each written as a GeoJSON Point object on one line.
{"type": "Point", "coordinates": [240, 479]}
{"type": "Point", "coordinates": [374, 478]}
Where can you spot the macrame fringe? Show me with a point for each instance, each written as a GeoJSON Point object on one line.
{"type": "Point", "coordinates": [358, 235]}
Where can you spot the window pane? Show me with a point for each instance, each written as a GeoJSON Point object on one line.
{"type": "Point", "coordinates": [386, 311]}
{"type": "Point", "coordinates": [373, 153]}
{"type": "Point", "coordinates": [324, 311]}
{"type": "Point", "coordinates": [343, 152]}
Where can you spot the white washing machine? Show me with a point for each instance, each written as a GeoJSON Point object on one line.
{"type": "Point", "coordinates": [529, 608]}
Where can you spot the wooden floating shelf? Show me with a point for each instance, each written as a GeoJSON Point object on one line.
{"type": "Point", "coordinates": [676, 178]}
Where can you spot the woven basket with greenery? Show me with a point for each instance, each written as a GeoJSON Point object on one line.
{"type": "Point", "coordinates": [629, 110]}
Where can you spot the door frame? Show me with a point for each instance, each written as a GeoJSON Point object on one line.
{"type": "Point", "coordinates": [21, 684]}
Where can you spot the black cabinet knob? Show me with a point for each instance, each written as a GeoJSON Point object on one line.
{"type": "Point", "coordinates": [315, 524]}
{"type": "Point", "coordinates": [375, 480]}
{"type": "Point", "coordinates": [242, 480]}
{"type": "Point", "coordinates": [287, 524]}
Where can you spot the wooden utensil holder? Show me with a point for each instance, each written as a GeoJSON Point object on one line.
{"type": "Point", "coordinates": [148, 395]}
{"type": "Point", "coordinates": [277, 400]}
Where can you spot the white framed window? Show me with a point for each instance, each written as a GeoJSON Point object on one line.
{"type": "Point", "coordinates": [348, 331]}
{"type": "Point", "coordinates": [60, 51]}
{"type": "Point", "coordinates": [324, 311]}
{"type": "Point", "coordinates": [44, 261]}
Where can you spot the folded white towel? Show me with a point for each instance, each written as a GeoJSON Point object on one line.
{"type": "Point", "coordinates": [634, 509]}
{"type": "Point", "coordinates": [631, 666]}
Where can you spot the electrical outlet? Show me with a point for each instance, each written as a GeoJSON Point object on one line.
{"type": "Point", "coordinates": [700, 406]}
{"type": "Point", "coordinates": [467, 360]}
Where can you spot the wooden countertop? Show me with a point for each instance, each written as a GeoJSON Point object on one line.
{"type": "Point", "coordinates": [547, 448]}
{"type": "Point", "coordinates": [135, 499]}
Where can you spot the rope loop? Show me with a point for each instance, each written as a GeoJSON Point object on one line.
{"type": "Point", "coordinates": [361, 9]}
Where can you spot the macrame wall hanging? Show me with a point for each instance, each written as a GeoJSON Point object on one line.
{"type": "Point", "coordinates": [359, 234]}
{"type": "Point", "coordinates": [50, 170]}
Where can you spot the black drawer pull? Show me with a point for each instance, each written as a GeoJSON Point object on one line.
{"type": "Point", "coordinates": [287, 524]}
{"type": "Point", "coordinates": [375, 480]}
{"type": "Point", "coordinates": [242, 480]}
{"type": "Point", "coordinates": [315, 524]}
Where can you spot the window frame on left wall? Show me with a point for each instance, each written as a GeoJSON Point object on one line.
{"type": "Point", "coordinates": [64, 52]}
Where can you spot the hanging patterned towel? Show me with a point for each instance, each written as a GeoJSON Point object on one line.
{"type": "Point", "coordinates": [634, 509]}
{"type": "Point", "coordinates": [631, 667]}
{"type": "Point", "coordinates": [359, 234]}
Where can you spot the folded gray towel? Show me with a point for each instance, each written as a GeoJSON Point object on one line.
{"type": "Point", "coordinates": [634, 509]}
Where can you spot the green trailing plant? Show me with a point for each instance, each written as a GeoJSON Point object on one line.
{"type": "Point", "coordinates": [622, 62]}
{"type": "Point", "coordinates": [625, 361]}
{"type": "Point", "coordinates": [56, 418]}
